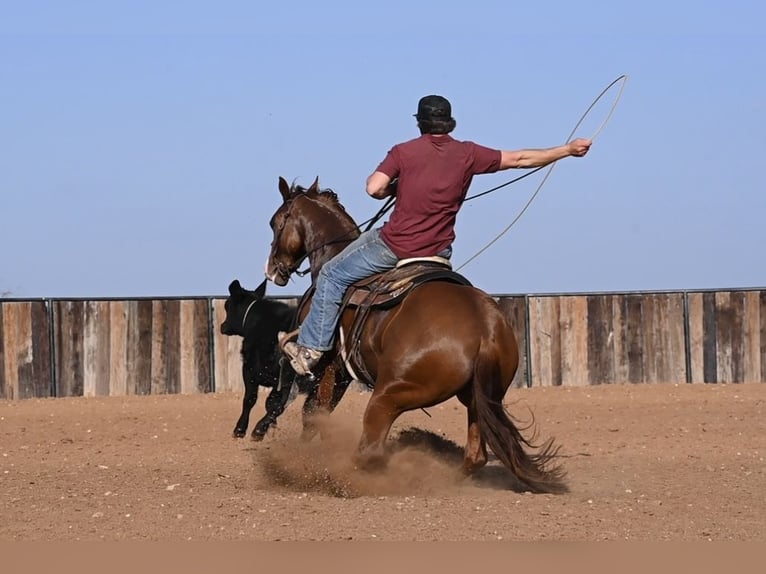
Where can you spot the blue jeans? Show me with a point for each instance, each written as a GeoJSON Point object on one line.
{"type": "Point", "coordinates": [361, 258]}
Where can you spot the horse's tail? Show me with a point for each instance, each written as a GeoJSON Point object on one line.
{"type": "Point", "coordinates": [536, 470]}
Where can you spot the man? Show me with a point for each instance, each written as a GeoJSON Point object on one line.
{"type": "Point", "coordinates": [430, 176]}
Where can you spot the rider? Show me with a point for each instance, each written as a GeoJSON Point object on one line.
{"type": "Point", "coordinates": [430, 176]}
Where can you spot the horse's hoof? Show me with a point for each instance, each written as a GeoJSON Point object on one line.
{"type": "Point", "coordinates": [239, 433]}
{"type": "Point", "coordinates": [308, 436]}
{"type": "Point", "coordinates": [371, 463]}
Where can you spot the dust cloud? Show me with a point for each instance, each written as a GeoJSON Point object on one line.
{"type": "Point", "coordinates": [420, 463]}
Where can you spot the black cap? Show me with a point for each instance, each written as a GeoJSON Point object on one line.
{"type": "Point", "coordinates": [434, 108]}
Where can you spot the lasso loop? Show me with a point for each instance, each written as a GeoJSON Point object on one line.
{"type": "Point", "coordinates": [622, 78]}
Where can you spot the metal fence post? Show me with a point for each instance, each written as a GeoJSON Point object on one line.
{"type": "Point", "coordinates": [528, 341]}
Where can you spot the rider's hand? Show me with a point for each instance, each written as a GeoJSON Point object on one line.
{"type": "Point", "coordinates": [579, 147]}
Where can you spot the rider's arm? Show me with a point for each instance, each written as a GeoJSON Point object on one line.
{"type": "Point", "coordinates": [379, 185]}
{"type": "Point", "coordinates": [540, 157]}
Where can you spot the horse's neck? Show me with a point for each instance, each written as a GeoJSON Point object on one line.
{"type": "Point", "coordinates": [328, 233]}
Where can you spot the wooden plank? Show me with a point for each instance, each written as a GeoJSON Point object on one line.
{"type": "Point", "coordinates": [620, 339]}
{"type": "Point", "coordinates": [226, 353]}
{"type": "Point", "coordinates": [13, 355]}
{"type": "Point", "coordinates": [709, 339]}
{"type": "Point", "coordinates": [515, 310]}
{"type": "Point", "coordinates": [118, 347]}
{"type": "Point", "coordinates": [173, 347]}
{"type": "Point", "coordinates": [194, 346]}
{"type": "Point", "coordinates": [159, 347]}
{"type": "Point", "coordinates": [752, 340]}
{"type": "Point", "coordinates": [186, 354]}
{"type": "Point", "coordinates": [574, 340]}
{"type": "Point", "coordinates": [10, 362]}
{"type": "Point", "coordinates": [41, 351]}
{"type": "Point", "coordinates": [89, 346]}
{"type": "Point", "coordinates": [600, 334]}
{"type": "Point", "coordinates": [539, 373]}
{"type": "Point", "coordinates": [24, 353]}
{"type": "Point", "coordinates": [633, 319]}
{"type": "Point", "coordinates": [724, 315]}
{"type": "Point", "coordinates": [650, 349]}
{"type": "Point", "coordinates": [96, 331]}
{"type": "Point", "coordinates": [5, 378]}
{"type": "Point", "coordinates": [68, 321]}
{"type": "Point", "coordinates": [545, 341]}
{"type": "Point", "coordinates": [696, 337]}
{"type": "Point", "coordinates": [763, 335]}
{"type": "Point", "coordinates": [202, 345]}
{"type": "Point", "coordinates": [138, 351]}
{"type": "Point", "coordinates": [674, 343]}
{"type": "Point", "coordinates": [554, 329]}
{"type": "Point", "coordinates": [736, 335]}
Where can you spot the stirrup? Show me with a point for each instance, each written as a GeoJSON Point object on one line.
{"type": "Point", "coordinates": [302, 359]}
{"type": "Point", "coordinates": [284, 337]}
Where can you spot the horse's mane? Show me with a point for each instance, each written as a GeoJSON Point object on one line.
{"type": "Point", "coordinates": [326, 196]}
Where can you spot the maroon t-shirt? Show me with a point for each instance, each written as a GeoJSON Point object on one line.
{"type": "Point", "coordinates": [434, 175]}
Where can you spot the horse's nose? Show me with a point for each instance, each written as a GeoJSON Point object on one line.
{"type": "Point", "coordinates": [270, 272]}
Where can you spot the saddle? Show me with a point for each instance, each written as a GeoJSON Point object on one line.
{"type": "Point", "coordinates": [385, 291]}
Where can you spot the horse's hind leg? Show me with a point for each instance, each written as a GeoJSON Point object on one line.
{"type": "Point", "coordinates": [475, 448]}
{"type": "Point", "coordinates": [382, 410]}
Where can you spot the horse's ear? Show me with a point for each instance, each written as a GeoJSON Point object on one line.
{"type": "Point", "coordinates": [260, 291]}
{"type": "Point", "coordinates": [314, 186]}
{"type": "Point", "coordinates": [234, 287]}
{"type": "Point", "coordinates": [284, 188]}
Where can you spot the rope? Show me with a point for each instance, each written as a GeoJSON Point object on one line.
{"type": "Point", "coordinates": [622, 78]}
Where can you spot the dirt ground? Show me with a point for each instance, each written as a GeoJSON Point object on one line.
{"type": "Point", "coordinates": [644, 462]}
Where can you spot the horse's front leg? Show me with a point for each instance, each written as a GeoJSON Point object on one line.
{"type": "Point", "coordinates": [310, 406]}
{"type": "Point", "coordinates": [321, 401]}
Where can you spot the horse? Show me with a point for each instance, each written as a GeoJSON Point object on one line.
{"type": "Point", "coordinates": [258, 320]}
{"type": "Point", "coordinates": [444, 339]}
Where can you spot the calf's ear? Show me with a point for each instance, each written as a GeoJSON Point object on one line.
{"type": "Point", "coordinates": [260, 291]}
{"type": "Point", "coordinates": [234, 287]}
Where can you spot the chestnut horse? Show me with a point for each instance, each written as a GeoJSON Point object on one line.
{"type": "Point", "coordinates": [443, 340]}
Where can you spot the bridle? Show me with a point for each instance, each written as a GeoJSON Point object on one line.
{"type": "Point", "coordinates": [285, 271]}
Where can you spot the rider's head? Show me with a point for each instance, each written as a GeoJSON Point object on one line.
{"type": "Point", "coordinates": [435, 115]}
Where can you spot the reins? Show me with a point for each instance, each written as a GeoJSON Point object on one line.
{"type": "Point", "coordinates": [341, 238]}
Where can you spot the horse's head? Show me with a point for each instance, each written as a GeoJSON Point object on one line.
{"type": "Point", "coordinates": [309, 223]}
{"type": "Point", "coordinates": [288, 247]}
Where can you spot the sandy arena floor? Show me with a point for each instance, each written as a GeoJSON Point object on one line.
{"type": "Point", "coordinates": [645, 462]}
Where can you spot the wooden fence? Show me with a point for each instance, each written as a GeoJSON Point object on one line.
{"type": "Point", "coordinates": [62, 348]}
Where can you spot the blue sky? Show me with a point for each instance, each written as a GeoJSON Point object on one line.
{"type": "Point", "coordinates": [141, 142]}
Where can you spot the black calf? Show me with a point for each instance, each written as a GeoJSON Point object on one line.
{"type": "Point", "coordinates": [258, 320]}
